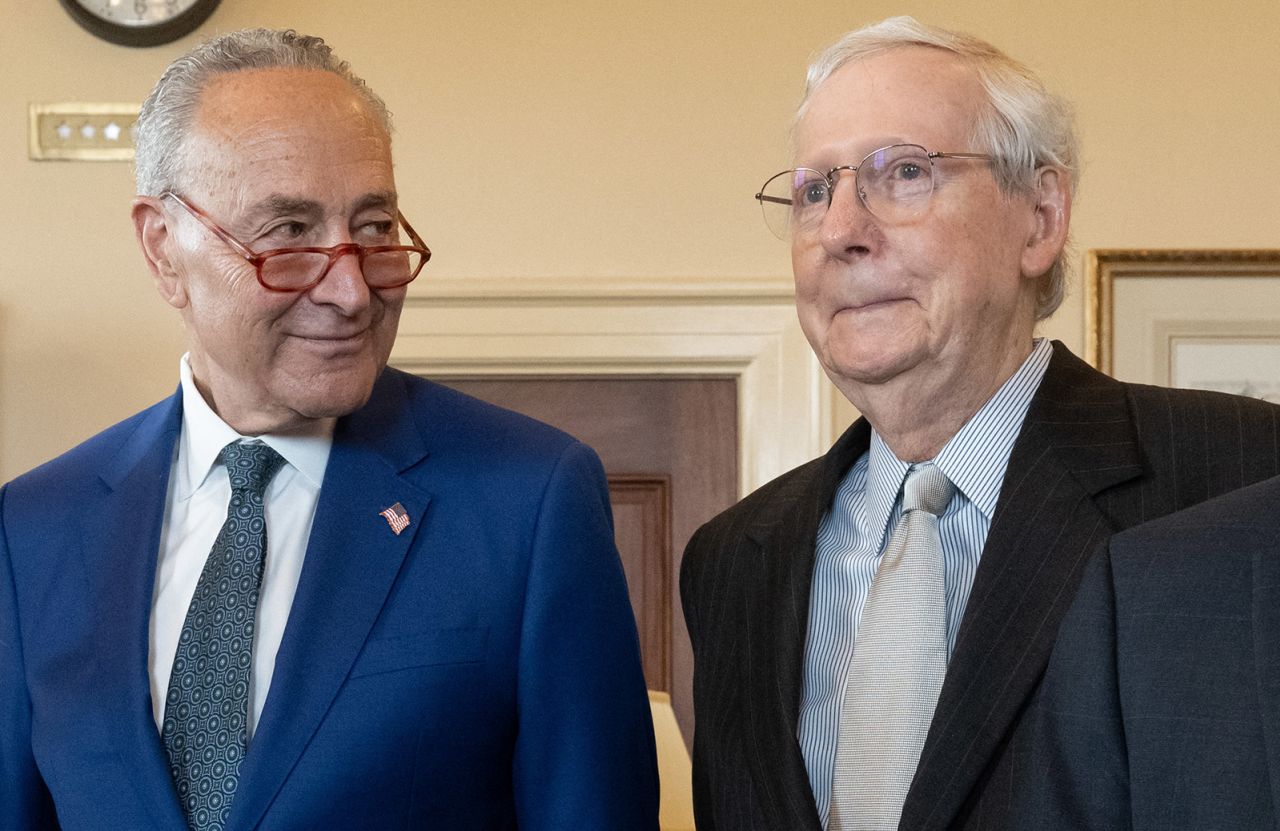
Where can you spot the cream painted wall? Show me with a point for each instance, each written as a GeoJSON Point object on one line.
{"type": "Point", "coordinates": [603, 141]}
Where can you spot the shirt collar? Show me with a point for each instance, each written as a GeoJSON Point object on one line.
{"type": "Point", "coordinates": [885, 475]}
{"type": "Point", "coordinates": [974, 459]}
{"type": "Point", "coordinates": [204, 434]}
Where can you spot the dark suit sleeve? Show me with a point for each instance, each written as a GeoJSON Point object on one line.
{"type": "Point", "coordinates": [584, 755]}
{"type": "Point", "coordinates": [690, 582]}
{"type": "Point", "coordinates": [24, 800]}
{"type": "Point", "coordinates": [1079, 770]}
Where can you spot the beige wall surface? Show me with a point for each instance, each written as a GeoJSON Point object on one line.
{"type": "Point", "coordinates": [602, 141]}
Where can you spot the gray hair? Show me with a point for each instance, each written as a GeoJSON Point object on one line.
{"type": "Point", "coordinates": [1025, 126]}
{"type": "Point", "coordinates": [165, 118]}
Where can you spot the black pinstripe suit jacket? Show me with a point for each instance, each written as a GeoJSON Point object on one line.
{"type": "Point", "coordinates": [1094, 456]}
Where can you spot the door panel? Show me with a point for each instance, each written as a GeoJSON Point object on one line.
{"type": "Point", "coordinates": [642, 527]}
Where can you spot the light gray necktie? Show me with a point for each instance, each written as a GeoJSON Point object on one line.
{"type": "Point", "coordinates": [899, 660]}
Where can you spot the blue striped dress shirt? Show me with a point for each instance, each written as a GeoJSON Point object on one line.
{"type": "Point", "coordinates": [853, 535]}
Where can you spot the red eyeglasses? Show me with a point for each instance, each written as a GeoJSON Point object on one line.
{"type": "Point", "coordinates": [298, 269]}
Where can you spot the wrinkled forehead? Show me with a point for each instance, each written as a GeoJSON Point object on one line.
{"type": "Point", "coordinates": [307, 129]}
{"type": "Point", "coordinates": [916, 94]}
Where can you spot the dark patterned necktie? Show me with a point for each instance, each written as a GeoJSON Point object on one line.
{"type": "Point", "coordinates": [207, 707]}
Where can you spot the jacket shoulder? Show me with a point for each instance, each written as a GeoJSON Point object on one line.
{"type": "Point", "coordinates": [92, 457]}
{"type": "Point", "coordinates": [1071, 382]}
{"type": "Point", "coordinates": [788, 507]}
{"type": "Point", "coordinates": [1202, 444]}
{"type": "Point", "coordinates": [1251, 508]}
{"type": "Point", "coordinates": [1152, 400]}
{"type": "Point", "coordinates": [468, 426]}
{"type": "Point", "coordinates": [772, 499]}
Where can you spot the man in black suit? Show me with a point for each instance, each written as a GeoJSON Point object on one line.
{"type": "Point", "coordinates": [1161, 705]}
{"type": "Point", "coordinates": [927, 215]}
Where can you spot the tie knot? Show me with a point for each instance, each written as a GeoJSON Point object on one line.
{"type": "Point", "coordinates": [926, 489]}
{"type": "Point", "coordinates": [250, 466]}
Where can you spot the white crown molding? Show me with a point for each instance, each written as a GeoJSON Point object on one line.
{"type": "Point", "coordinates": [596, 289]}
{"type": "Point", "coordinates": [745, 329]}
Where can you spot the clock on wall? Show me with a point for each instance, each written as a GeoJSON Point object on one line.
{"type": "Point", "coordinates": [140, 22]}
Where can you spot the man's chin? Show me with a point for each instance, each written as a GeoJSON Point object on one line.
{"type": "Point", "coordinates": [332, 397]}
{"type": "Point", "coordinates": [868, 368]}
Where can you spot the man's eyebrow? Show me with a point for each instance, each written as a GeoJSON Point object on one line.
{"type": "Point", "coordinates": [378, 199]}
{"type": "Point", "coordinates": [278, 204]}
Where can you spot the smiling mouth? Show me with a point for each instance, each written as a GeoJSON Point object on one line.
{"type": "Point", "coordinates": [336, 345]}
{"type": "Point", "coordinates": [328, 338]}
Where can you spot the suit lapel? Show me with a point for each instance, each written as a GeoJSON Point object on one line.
{"type": "Point", "coordinates": [121, 540]}
{"type": "Point", "coordinates": [1266, 643]}
{"type": "Point", "coordinates": [1076, 441]}
{"type": "Point", "coordinates": [352, 560]}
{"type": "Point", "coordinates": [776, 621]}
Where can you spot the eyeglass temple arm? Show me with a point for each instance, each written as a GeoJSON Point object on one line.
{"type": "Point", "coordinates": [774, 199]}
{"type": "Point", "coordinates": [212, 226]}
{"type": "Point", "coordinates": [937, 155]}
{"type": "Point", "coordinates": [413, 235]}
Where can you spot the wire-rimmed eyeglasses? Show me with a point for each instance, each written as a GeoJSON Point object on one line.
{"type": "Point", "coordinates": [895, 184]}
{"type": "Point", "coordinates": [299, 269]}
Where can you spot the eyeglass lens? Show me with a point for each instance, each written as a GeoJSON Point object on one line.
{"type": "Point", "coordinates": [894, 183]}
{"type": "Point", "coordinates": [382, 269]}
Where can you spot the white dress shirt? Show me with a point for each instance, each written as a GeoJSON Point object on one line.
{"type": "Point", "coordinates": [856, 530]}
{"type": "Point", "coordinates": [195, 509]}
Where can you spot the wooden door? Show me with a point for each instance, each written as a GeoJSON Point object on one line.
{"type": "Point", "coordinates": [670, 450]}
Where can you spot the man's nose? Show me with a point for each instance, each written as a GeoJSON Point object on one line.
{"type": "Point", "coordinates": [344, 285]}
{"type": "Point", "coordinates": [847, 228]}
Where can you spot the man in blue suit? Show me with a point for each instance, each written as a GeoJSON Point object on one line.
{"type": "Point", "coordinates": [308, 591]}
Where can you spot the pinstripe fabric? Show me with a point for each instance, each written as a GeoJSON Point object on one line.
{"type": "Point", "coordinates": [1094, 456]}
{"type": "Point", "coordinates": [855, 532]}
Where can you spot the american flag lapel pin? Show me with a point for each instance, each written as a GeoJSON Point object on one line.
{"type": "Point", "coordinates": [396, 518]}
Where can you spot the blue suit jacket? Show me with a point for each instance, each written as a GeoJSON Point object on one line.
{"type": "Point", "coordinates": [480, 670]}
{"type": "Point", "coordinates": [1161, 706]}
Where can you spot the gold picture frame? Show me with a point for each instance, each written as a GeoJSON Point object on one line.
{"type": "Point", "coordinates": [1216, 311]}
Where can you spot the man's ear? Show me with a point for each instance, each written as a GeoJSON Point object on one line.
{"type": "Point", "coordinates": [1051, 219]}
{"type": "Point", "coordinates": [156, 239]}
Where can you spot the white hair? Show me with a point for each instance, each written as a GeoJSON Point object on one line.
{"type": "Point", "coordinates": [165, 118]}
{"type": "Point", "coordinates": [1025, 127]}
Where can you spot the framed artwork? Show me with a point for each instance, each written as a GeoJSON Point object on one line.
{"type": "Point", "coordinates": [1203, 319]}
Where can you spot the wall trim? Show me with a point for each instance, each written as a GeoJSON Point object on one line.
{"type": "Point", "coordinates": [745, 329]}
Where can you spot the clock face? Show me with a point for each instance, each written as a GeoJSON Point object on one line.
{"type": "Point", "coordinates": [136, 12]}
{"type": "Point", "coordinates": [140, 22]}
